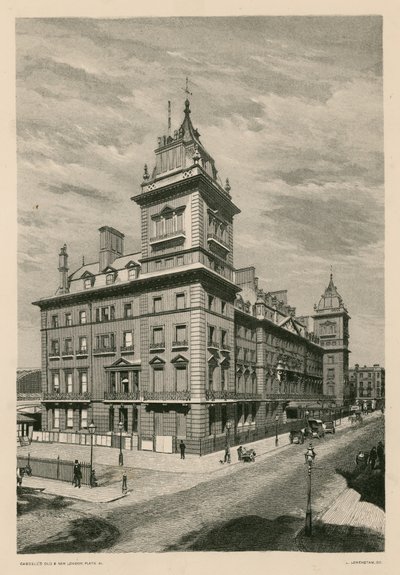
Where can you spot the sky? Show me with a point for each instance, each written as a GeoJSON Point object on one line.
{"type": "Point", "coordinates": [291, 109]}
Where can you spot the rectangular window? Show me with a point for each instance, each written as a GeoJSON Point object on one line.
{"type": "Point", "coordinates": [124, 381]}
{"type": "Point", "coordinates": [112, 382]}
{"type": "Point", "coordinates": [56, 418]}
{"type": "Point", "coordinates": [180, 334]}
{"type": "Point", "coordinates": [128, 339]}
{"type": "Point", "coordinates": [211, 331]}
{"type": "Point", "coordinates": [223, 378]}
{"type": "Point", "coordinates": [68, 319]}
{"type": "Point", "coordinates": [158, 379]}
{"type": "Point", "coordinates": [127, 310]}
{"type": "Point", "coordinates": [179, 260]}
{"type": "Point", "coordinates": [83, 344]}
{"type": "Point", "coordinates": [180, 301]}
{"type": "Point", "coordinates": [84, 417]}
{"type": "Point", "coordinates": [70, 418]}
{"type": "Point", "coordinates": [56, 382]}
{"type": "Point", "coordinates": [223, 306]}
{"type": "Point", "coordinates": [210, 302]}
{"type": "Point", "coordinates": [169, 263]}
{"type": "Point", "coordinates": [158, 264]}
{"type": "Point", "coordinates": [181, 377]}
{"type": "Point", "coordinates": [83, 382]}
{"type": "Point", "coordinates": [55, 347]}
{"type": "Point", "coordinates": [132, 274]}
{"type": "Point", "coordinates": [330, 358]}
{"type": "Point", "coordinates": [69, 383]}
{"type": "Point", "coordinates": [158, 335]}
{"type": "Point", "coordinates": [157, 304]}
{"type": "Point", "coordinates": [224, 338]}
{"type": "Point", "coordinates": [87, 283]}
{"type": "Point", "coordinates": [105, 313]}
{"type": "Point", "coordinates": [109, 279]}
{"type": "Point", "coordinates": [68, 346]}
{"type": "Point", "coordinates": [82, 317]}
{"type": "Point", "coordinates": [54, 321]}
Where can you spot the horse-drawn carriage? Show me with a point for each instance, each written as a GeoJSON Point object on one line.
{"type": "Point", "coordinates": [246, 454]}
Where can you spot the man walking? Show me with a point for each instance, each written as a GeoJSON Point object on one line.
{"type": "Point", "coordinates": [380, 450]}
{"type": "Point", "coordinates": [372, 458]}
{"type": "Point", "coordinates": [182, 447]}
{"type": "Point", "coordinates": [227, 456]}
{"type": "Point", "coordinates": [76, 482]}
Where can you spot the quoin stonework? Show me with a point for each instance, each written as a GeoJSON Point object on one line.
{"type": "Point", "coordinates": [173, 341]}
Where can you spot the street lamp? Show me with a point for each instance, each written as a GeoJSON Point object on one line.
{"type": "Point", "coordinates": [309, 457]}
{"type": "Point", "coordinates": [92, 429]}
{"type": "Point", "coordinates": [121, 457]}
{"type": "Point", "coordinates": [276, 430]}
{"type": "Point", "coordinates": [228, 431]}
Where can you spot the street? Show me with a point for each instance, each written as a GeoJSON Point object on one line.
{"type": "Point", "coordinates": [261, 506]}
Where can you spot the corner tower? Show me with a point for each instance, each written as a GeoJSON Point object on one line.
{"type": "Point", "coordinates": [331, 326]}
{"type": "Point", "coordinates": [186, 268]}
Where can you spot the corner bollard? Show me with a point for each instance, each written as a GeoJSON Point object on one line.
{"type": "Point", "coordinates": [124, 484]}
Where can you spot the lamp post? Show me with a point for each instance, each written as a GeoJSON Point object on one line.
{"type": "Point", "coordinates": [92, 429]}
{"type": "Point", "coordinates": [121, 456]}
{"type": "Point", "coordinates": [309, 457]}
{"type": "Point", "coordinates": [228, 433]}
{"type": "Point", "coordinates": [276, 430]}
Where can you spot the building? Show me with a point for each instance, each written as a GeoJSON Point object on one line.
{"type": "Point", "coordinates": [368, 384]}
{"type": "Point", "coordinates": [29, 396]}
{"type": "Point", "coordinates": [174, 342]}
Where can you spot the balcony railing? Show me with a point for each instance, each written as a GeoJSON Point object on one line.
{"type": "Point", "coordinates": [122, 396]}
{"type": "Point", "coordinates": [160, 345]}
{"type": "Point", "coordinates": [182, 343]}
{"type": "Point", "coordinates": [82, 352]}
{"type": "Point", "coordinates": [127, 348]}
{"type": "Point", "coordinates": [212, 395]}
{"type": "Point", "coordinates": [54, 355]}
{"type": "Point", "coordinates": [166, 395]}
{"type": "Point", "coordinates": [58, 396]}
{"type": "Point", "coordinates": [167, 237]}
{"type": "Point", "coordinates": [213, 344]}
{"type": "Point", "coordinates": [104, 349]}
{"type": "Point", "coordinates": [225, 347]}
{"type": "Point", "coordinates": [68, 353]}
{"type": "Point", "coordinates": [298, 395]}
{"type": "Point", "coordinates": [214, 238]}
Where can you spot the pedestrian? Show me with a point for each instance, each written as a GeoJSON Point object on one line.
{"type": "Point", "coordinates": [240, 452]}
{"type": "Point", "coordinates": [373, 457]}
{"type": "Point", "coordinates": [19, 477]}
{"type": "Point", "coordinates": [360, 459]}
{"type": "Point", "coordinates": [227, 456]}
{"type": "Point", "coordinates": [182, 447]}
{"type": "Point", "coordinates": [380, 450]}
{"type": "Point", "coordinates": [76, 482]}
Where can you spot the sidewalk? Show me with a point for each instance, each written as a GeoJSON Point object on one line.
{"type": "Point", "coordinates": [64, 489]}
{"type": "Point", "coordinates": [163, 462]}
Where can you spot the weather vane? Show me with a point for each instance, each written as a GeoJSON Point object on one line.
{"type": "Point", "coordinates": [187, 88]}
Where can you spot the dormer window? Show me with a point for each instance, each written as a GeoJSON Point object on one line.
{"type": "Point", "coordinates": [110, 278]}
{"type": "Point", "coordinates": [133, 274]}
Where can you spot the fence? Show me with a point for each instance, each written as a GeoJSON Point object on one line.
{"type": "Point", "coordinates": [54, 468]}
{"type": "Point", "coordinates": [103, 440]}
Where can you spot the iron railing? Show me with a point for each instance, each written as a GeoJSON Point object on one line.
{"type": "Point", "coordinates": [54, 468]}
{"type": "Point", "coordinates": [58, 396]}
{"type": "Point", "coordinates": [121, 395]}
{"type": "Point", "coordinates": [211, 236]}
{"type": "Point", "coordinates": [166, 395]}
{"type": "Point", "coordinates": [127, 347]}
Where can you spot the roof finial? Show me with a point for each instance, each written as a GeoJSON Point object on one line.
{"type": "Point", "coordinates": [187, 88]}
{"type": "Point", "coordinates": [146, 173]}
{"type": "Point", "coordinates": [331, 272]}
{"type": "Point", "coordinates": [83, 261]}
{"type": "Point", "coordinates": [169, 118]}
{"type": "Point", "coordinates": [227, 186]}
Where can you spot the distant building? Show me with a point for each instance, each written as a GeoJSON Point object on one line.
{"type": "Point", "coordinates": [368, 384]}
{"type": "Point", "coordinates": [173, 341]}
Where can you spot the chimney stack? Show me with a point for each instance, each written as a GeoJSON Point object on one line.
{"type": "Point", "coordinates": [111, 246]}
{"type": "Point", "coordinates": [63, 269]}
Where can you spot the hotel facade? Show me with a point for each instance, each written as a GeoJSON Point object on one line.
{"type": "Point", "coordinates": [174, 342]}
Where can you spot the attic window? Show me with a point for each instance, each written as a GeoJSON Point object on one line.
{"type": "Point", "coordinates": [110, 278]}
{"type": "Point", "coordinates": [87, 283]}
{"type": "Point", "coordinates": [133, 274]}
